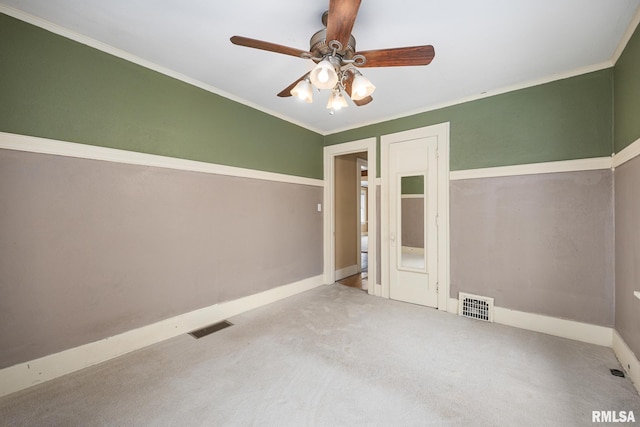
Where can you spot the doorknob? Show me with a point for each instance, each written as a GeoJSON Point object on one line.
{"type": "Point", "coordinates": [392, 237]}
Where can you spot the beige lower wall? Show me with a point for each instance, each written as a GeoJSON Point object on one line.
{"type": "Point", "coordinates": [90, 249]}
{"type": "Point", "coordinates": [627, 214]}
{"type": "Point", "coordinates": [541, 244]}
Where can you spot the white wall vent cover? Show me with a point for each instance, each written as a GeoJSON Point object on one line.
{"type": "Point", "coordinates": [475, 307]}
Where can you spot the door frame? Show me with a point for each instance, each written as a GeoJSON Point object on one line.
{"type": "Point", "coordinates": [441, 132]}
{"type": "Point", "coordinates": [329, 243]}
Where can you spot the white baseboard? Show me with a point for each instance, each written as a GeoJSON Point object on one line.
{"type": "Point", "coordinates": [346, 272]}
{"type": "Point", "coordinates": [27, 374]}
{"type": "Point", "coordinates": [627, 359]}
{"type": "Point", "coordinates": [452, 305]}
{"type": "Point", "coordinates": [564, 328]}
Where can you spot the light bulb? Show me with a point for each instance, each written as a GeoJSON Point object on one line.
{"type": "Point", "coordinates": [324, 75]}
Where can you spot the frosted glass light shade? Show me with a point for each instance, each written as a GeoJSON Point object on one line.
{"type": "Point", "coordinates": [324, 75]}
{"type": "Point", "coordinates": [361, 87]}
{"type": "Point", "coordinates": [303, 91]}
{"type": "Point", "coordinates": [336, 101]}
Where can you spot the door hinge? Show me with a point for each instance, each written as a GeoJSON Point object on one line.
{"type": "Point", "coordinates": [437, 220]}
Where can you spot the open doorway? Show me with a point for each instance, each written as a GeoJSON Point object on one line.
{"type": "Point", "coordinates": [350, 227]}
{"type": "Point", "coordinates": [351, 219]}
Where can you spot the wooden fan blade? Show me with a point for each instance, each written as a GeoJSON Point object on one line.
{"type": "Point", "coordinates": [398, 57]}
{"type": "Point", "coordinates": [271, 47]}
{"type": "Point", "coordinates": [342, 16]}
{"type": "Point", "coordinates": [363, 101]}
{"type": "Point", "coordinates": [286, 92]}
{"type": "Point", "coordinates": [348, 82]}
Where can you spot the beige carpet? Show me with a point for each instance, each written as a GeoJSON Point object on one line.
{"type": "Point", "coordinates": [335, 356]}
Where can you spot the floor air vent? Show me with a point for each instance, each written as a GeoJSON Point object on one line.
{"type": "Point", "coordinates": [475, 307]}
{"type": "Point", "coordinates": [617, 373]}
{"type": "Point", "coordinates": [207, 330]}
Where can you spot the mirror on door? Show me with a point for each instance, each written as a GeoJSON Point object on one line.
{"type": "Point", "coordinates": [411, 250]}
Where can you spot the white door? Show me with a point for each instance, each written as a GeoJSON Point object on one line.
{"type": "Point", "coordinates": [413, 233]}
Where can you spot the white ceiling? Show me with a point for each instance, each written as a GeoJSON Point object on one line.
{"type": "Point", "coordinates": [482, 47]}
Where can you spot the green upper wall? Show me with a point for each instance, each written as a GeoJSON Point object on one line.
{"type": "Point", "coordinates": [627, 94]}
{"type": "Point", "coordinates": [562, 120]}
{"type": "Point", "coordinates": [56, 88]}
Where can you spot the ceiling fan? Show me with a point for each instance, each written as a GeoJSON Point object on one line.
{"type": "Point", "coordinates": [333, 49]}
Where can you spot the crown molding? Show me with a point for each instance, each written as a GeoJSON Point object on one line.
{"type": "Point", "coordinates": [635, 21]}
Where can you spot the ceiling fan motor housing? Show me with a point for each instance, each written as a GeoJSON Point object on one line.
{"type": "Point", "coordinates": [320, 48]}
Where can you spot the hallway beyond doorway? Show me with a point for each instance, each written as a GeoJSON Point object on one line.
{"type": "Point", "coordinates": [360, 281]}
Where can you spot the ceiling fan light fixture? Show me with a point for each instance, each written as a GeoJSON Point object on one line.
{"type": "Point", "coordinates": [324, 75]}
{"type": "Point", "coordinates": [336, 101]}
{"type": "Point", "coordinates": [361, 87]}
{"type": "Point", "coordinates": [333, 51]}
{"type": "Point", "coordinates": [303, 91]}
